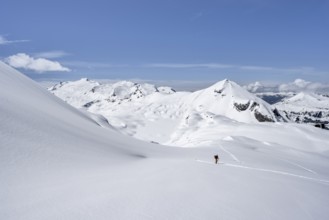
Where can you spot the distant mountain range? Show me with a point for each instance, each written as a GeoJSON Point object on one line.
{"type": "Point", "coordinates": [305, 108]}
{"type": "Point", "coordinates": [139, 109]}
{"type": "Point", "coordinates": [136, 108]}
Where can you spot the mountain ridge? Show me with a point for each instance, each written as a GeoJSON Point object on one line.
{"type": "Point", "coordinates": [305, 107]}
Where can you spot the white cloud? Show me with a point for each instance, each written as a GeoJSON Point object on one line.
{"type": "Point", "coordinates": [254, 87]}
{"type": "Point", "coordinates": [90, 64]}
{"type": "Point", "coordinates": [257, 68]}
{"type": "Point", "coordinates": [4, 41]}
{"type": "Point", "coordinates": [40, 65]}
{"type": "Point", "coordinates": [300, 85]}
{"type": "Point", "coordinates": [51, 54]}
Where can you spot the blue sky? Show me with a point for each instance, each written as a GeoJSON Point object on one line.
{"type": "Point", "coordinates": [195, 40]}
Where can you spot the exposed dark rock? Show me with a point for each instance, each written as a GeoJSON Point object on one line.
{"type": "Point", "coordinates": [93, 90]}
{"type": "Point", "coordinates": [241, 107]}
{"type": "Point", "coordinates": [219, 91]}
{"type": "Point", "coordinates": [262, 118]}
{"type": "Point", "coordinates": [297, 119]}
{"type": "Point", "coordinates": [311, 120]}
{"type": "Point", "coordinates": [318, 114]}
{"type": "Point", "coordinates": [88, 104]}
{"type": "Point", "coordinates": [308, 116]}
{"type": "Point", "coordinates": [278, 115]}
{"type": "Point", "coordinates": [253, 106]}
{"type": "Point", "coordinates": [321, 125]}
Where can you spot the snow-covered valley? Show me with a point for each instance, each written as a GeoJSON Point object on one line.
{"type": "Point", "coordinates": [58, 162]}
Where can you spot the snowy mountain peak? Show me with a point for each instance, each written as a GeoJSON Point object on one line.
{"type": "Point", "coordinates": [302, 97]}
{"type": "Point", "coordinates": [229, 99]}
{"type": "Point", "coordinates": [308, 100]}
{"type": "Point", "coordinates": [227, 87]}
{"type": "Point", "coordinates": [219, 86]}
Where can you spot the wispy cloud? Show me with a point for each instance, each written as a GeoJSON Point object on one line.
{"type": "Point", "coordinates": [51, 54]}
{"type": "Point", "coordinates": [256, 68]}
{"type": "Point", "coordinates": [293, 70]}
{"type": "Point", "coordinates": [189, 65]}
{"type": "Point", "coordinates": [40, 65]}
{"type": "Point", "coordinates": [197, 15]}
{"type": "Point", "coordinates": [302, 70]}
{"type": "Point", "coordinates": [92, 65]}
{"type": "Point", "coordinates": [4, 41]}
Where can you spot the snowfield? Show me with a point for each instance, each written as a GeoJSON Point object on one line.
{"type": "Point", "coordinates": [58, 162]}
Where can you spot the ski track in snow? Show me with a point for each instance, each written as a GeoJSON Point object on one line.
{"type": "Point", "coordinates": [326, 182]}
{"type": "Point", "coordinates": [231, 154]}
{"type": "Point", "coordinates": [300, 166]}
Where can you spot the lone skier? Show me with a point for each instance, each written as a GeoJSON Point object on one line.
{"type": "Point", "coordinates": [216, 158]}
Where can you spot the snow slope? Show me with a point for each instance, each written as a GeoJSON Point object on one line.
{"type": "Point", "coordinates": [58, 163]}
{"type": "Point", "coordinates": [305, 107]}
{"type": "Point", "coordinates": [48, 148]}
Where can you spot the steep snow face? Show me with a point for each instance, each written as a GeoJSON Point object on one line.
{"type": "Point", "coordinates": [228, 99]}
{"type": "Point", "coordinates": [306, 108]}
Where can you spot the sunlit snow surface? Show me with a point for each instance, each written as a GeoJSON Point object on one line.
{"type": "Point", "coordinates": [57, 162]}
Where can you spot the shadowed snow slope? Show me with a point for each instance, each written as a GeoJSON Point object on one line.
{"type": "Point", "coordinates": [56, 162]}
